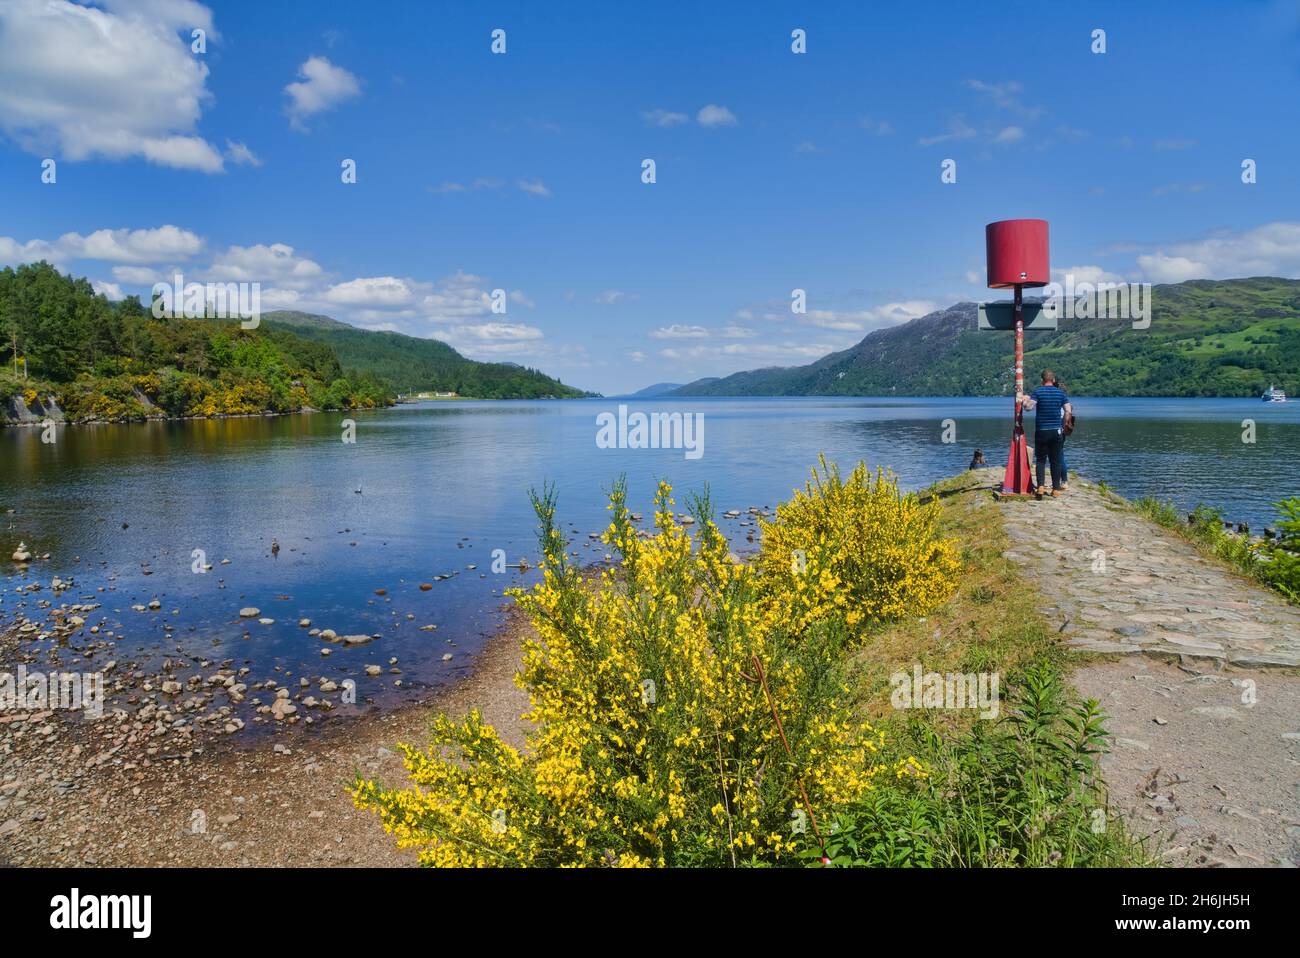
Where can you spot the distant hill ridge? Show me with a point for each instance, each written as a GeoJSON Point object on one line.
{"type": "Point", "coordinates": [412, 363]}
{"type": "Point", "coordinates": [658, 389]}
{"type": "Point", "coordinates": [1206, 338]}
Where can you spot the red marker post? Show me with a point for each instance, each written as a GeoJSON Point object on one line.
{"type": "Point", "coordinates": [1017, 255]}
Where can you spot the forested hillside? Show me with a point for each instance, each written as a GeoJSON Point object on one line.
{"type": "Point", "coordinates": [100, 360]}
{"type": "Point", "coordinates": [1206, 338]}
{"type": "Point", "coordinates": [412, 363]}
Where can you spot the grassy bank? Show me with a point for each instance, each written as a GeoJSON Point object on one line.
{"type": "Point", "coordinates": [1023, 789]}
{"type": "Point", "coordinates": [1275, 563]}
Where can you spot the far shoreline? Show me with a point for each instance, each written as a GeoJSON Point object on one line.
{"type": "Point", "coordinates": [38, 422]}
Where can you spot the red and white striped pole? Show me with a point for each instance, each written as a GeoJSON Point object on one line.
{"type": "Point", "coordinates": [1017, 257]}
{"type": "Point", "coordinates": [1020, 361]}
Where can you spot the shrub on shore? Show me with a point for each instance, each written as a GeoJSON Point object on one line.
{"type": "Point", "coordinates": [1283, 569]}
{"type": "Point", "coordinates": [1024, 790]}
{"type": "Point", "coordinates": [690, 710]}
{"type": "Point", "coordinates": [859, 547]}
{"type": "Point", "coordinates": [1274, 563]}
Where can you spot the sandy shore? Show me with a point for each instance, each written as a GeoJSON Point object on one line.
{"type": "Point", "coordinates": [283, 801]}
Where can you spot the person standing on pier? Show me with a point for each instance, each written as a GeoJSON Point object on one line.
{"type": "Point", "coordinates": [1067, 427]}
{"type": "Point", "coordinates": [1051, 405]}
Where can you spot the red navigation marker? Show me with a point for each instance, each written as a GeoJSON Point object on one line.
{"type": "Point", "coordinates": [1017, 257]}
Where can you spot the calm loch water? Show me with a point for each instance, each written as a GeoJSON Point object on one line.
{"type": "Point", "coordinates": [432, 489]}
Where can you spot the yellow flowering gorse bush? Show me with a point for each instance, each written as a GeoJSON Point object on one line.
{"type": "Point", "coordinates": [682, 716]}
{"type": "Point", "coordinates": [859, 548]}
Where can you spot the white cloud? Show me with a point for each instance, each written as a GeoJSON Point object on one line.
{"type": "Point", "coordinates": [829, 319]}
{"type": "Point", "coordinates": [111, 290]}
{"type": "Point", "coordinates": [495, 332]}
{"type": "Point", "coordinates": [664, 118]}
{"type": "Point", "coordinates": [1162, 268]}
{"type": "Point", "coordinates": [293, 281]}
{"type": "Point", "coordinates": [14, 253]}
{"type": "Point", "coordinates": [1010, 134]}
{"type": "Point", "coordinates": [275, 263]}
{"type": "Point", "coordinates": [276, 298]}
{"type": "Point", "coordinates": [1086, 274]}
{"type": "Point", "coordinates": [714, 115]}
{"type": "Point", "coordinates": [1269, 250]}
{"type": "Point", "coordinates": [182, 152]}
{"type": "Point", "coordinates": [118, 82]}
{"type": "Point", "coordinates": [679, 331]}
{"type": "Point", "coordinates": [878, 127]}
{"type": "Point", "coordinates": [138, 275]}
{"type": "Point", "coordinates": [322, 86]}
{"type": "Point", "coordinates": [1005, 96]}
{"type": "Point", "coordinates": [173, 14]}
{"type": "Point", "coordinates": [111, 246]}
{"type": "Point", "coordinates": [890, 314]}
{"type": "Point", "coordinates": [534, 188]}
{"type": "Point", "coordinates": [240, 154]}
{"type": "Point", "coordinates": [482, 183]}
{"type": "Point", "coordinates": [958, 129]}
{"type": "Point", "coordinates": [610, 297]}
{"type": "Point", "coordinates": [456, 297]}
{"type": "Point", "coordinates": [783, 353]}
{"type": "Point", "coordinates": [385, 292]}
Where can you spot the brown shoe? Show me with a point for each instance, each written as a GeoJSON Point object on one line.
{"type": "Point", "coordinates": [1056, 493]}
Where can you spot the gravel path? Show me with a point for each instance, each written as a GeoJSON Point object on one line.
{"type": "Point", "coordinates": [1198, 676]}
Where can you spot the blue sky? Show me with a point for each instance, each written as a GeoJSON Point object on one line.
{"type": "Point", "coordinates": [522, 171]}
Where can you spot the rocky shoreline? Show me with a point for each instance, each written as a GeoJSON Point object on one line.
{"type": "Point", "coordinates": [16, 412]}
{"type": "Point", "coordinates": [137, 791]}
{"type": "Point", "coordinates": [178, 699]}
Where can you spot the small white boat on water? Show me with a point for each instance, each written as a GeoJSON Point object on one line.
{"type": "Point", "coordinates": [1273, 394]}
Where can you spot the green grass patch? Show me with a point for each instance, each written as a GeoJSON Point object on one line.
{"type": "Point", "coordinates": [1023, 789]}
{"type": "Point", "coordinates": [1276, 564]}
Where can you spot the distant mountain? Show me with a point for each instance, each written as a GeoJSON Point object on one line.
{"type": "Point", "coordinates": [411, 363]}
{"type": "Point", "coordinates": [658, 389]}
{"type": "Point", "coordinates": [1206, 338]}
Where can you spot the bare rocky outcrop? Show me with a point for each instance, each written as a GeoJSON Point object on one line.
{"type": "Point", "coordinates": [16, 411]}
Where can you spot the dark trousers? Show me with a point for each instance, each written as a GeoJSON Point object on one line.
{"type": "Point", "coordinates": [1048, 448]}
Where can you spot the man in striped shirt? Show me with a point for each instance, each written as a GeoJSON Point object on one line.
{"type": "Point", "coordinates": [1050, 405]}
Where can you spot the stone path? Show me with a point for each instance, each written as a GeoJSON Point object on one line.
{"type": "Point", "coordinates": [1200, 692]}
{"type": "Point", "coordinates": [1116, 582]}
